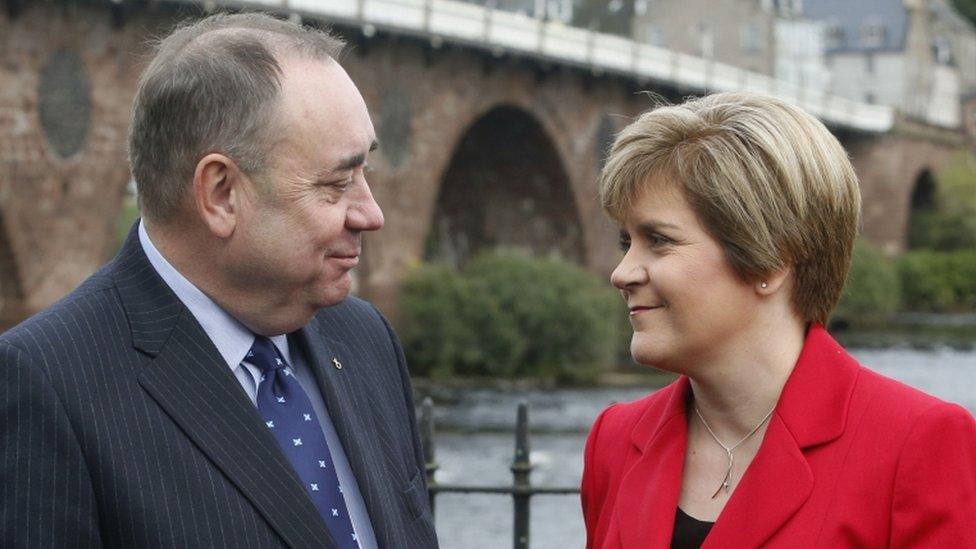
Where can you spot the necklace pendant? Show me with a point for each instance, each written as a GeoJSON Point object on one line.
{"type": "Point", "coordinates": [726, 485]}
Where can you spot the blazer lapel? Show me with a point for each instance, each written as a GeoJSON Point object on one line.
{"type": "Point", "coordinates": [189, 379]}
{"type": "Point", "coordinates": [774, 487]}
{"type": "Point", "coordinates": [812, 411]}
{"type": "Point", "coordinates": [653, 483]}
{"type": "Point", "coordinates": [350, 408]}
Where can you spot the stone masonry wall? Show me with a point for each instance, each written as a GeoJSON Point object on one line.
{"type": "Point", "coordinates": [68, 77]}
{"type": "Point", "coordinates": [68, 72]}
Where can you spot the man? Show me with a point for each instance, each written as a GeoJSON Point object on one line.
{"type": "Point", "coordinates": [214, 385]}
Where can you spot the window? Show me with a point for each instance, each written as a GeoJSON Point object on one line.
{"type": "Point", "coordinates": [834, 36]}
{"type": "Point", "coordinates": [869, 63]}
{"type": "Point", "coordinates": [942, 50]}
{"type": "Point", "coordinates": [750, 38]}
{"type": "Point", "coordinates": [873, 35]}
{"type": "Point", "coordinates": [706, 42]}
{"type": "Point", "coordinates": [789, 8]}
{"type": "Point", "coordinates": [655, 36]}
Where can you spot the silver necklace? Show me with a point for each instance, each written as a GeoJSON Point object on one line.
{"type": "Point", "coordinates": [727, 481]}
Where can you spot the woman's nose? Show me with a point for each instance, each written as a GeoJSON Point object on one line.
{"type": "Point", "coordinates": [628, 273]}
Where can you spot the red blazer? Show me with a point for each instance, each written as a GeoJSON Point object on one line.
{"type": "Point", "coordinates": [850, 459]}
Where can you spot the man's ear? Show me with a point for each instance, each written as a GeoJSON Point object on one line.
{"type": "Point", "coordinates": [217, 193]}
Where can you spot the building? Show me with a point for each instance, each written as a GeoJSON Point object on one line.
{"type": "Point", "coordinates": [800, 52]}
{"type": "Point", "coordinates": [735, 32]}
{"type": "Point", "coordinates": [765, 36]}
{"type": "Point", "coordinates": [909, 54]}
{"type": "Point", "coordinates": [969, 118]}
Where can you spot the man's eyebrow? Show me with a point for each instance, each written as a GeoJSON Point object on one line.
{"type": "Point", "coordinates": [355, 160]}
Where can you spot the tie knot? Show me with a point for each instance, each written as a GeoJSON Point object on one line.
{"type": "Point", "coordinates": [264, 355]}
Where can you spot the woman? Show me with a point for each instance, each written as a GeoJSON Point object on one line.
{"type": "Point", "coordinates": [738, 214]}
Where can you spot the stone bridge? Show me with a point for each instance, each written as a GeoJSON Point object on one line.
{"type": "Point", "coordinates": [481, 145]}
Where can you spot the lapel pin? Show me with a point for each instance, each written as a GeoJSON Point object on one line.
{"type": "Point", "coordinates": [337, 364]}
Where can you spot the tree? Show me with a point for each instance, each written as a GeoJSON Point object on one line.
{"type": "Point", "coordinates": [967, 8]}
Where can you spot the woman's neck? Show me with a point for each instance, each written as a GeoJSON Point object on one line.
{"type": "Point", "coordinates": [736, 390]}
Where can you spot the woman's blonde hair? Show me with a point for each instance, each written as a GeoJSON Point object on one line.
{"type": "Point", "coordinates": [767, 180]}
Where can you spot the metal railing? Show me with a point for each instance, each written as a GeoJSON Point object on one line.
{"type": "Point", "coordinates": [521, 488]}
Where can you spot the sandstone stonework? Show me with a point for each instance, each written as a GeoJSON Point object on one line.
{"type": "Point", "coordinates": [58, 215]}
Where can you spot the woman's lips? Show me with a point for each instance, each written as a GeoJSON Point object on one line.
{"type": "Point", "coordinates": [634, 311]}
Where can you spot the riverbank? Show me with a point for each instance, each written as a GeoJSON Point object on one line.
{"type": "Point", "coordinates": [911, 330]}
{"type": "Point", "coordinates": [488, 405]}
{"type": "Point", "coordinates": [914, 331]}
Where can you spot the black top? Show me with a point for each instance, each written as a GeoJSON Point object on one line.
{"type": "Point", "coordinates": [689, 532]}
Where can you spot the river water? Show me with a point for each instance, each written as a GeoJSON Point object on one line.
{"type": "Point", "coordinates": [475, 442]}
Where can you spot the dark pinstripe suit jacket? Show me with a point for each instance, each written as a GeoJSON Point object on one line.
{"type": "Point", "coordinates": [121, 425]}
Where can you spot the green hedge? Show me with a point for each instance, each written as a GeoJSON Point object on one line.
{"type": "Point", "coordinates": [507, 315]}
{"type": "Point", "coordinates": [951, 224]}
{"type": "Point", "coordinates": [873, 289]}
{"type": "Point", "coordinates": [939, 281]}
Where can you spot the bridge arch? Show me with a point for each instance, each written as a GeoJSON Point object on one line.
{"type": "Point", "coordinates": [922, 204]}
{"type": "Point", "coordinates": [505, 185]}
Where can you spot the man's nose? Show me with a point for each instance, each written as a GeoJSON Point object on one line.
{"type": "Point", "coordinates": [364, 214]}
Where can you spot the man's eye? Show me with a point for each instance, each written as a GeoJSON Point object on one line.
{"type": "Point", "coordinates": [336, 185]}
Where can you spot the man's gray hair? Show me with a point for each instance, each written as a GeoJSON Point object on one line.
{"type": "Point", "coordinates": [212, 86]}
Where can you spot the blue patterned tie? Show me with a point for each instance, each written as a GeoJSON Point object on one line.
{"type": "Point", "coordinates": [289, 416]}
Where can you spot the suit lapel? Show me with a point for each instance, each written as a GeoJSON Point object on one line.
{"type": "Point", "coordinates": [350, 408]}
{"type": "Point", "coordinates": [653, 483]}
{"type": "Point", "coordinates": [189, 379]}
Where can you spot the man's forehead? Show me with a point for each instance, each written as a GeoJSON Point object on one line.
{"type": "Point", "coordinates": [322, 106]}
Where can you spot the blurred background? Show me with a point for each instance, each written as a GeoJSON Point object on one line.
{"type": "Point", "coordinates": [494, 118]}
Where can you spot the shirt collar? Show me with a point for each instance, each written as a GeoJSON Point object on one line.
{"type": "Point", "coordinates": [232, 339]}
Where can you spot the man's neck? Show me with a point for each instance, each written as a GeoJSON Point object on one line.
{"type": "Point", "coordinates": [186, 250]}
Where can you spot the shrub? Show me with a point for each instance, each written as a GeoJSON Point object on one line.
{"type": "Point", "coordinates": [944, 229]}
{"type": "Point", "coordinates": [873, 290]}
{"type": "Point", "coordinates": [939, 281]}
{"type": "Point", "coordinates": [448, 328]}
{"type": "Point", "coordinates": [126, 217]}
{"type": "Point", "coordinates": [511, 316]}
{"type": "Point", "coordinates": [564, 314]}
{"type": "Point", "coordinates": [951, 224]}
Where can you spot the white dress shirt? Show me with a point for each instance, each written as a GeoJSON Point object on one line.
{"type": "Point", "coordinates": [233, 340]}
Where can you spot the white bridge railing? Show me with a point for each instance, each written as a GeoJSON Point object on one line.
{"type": "Point", "coordinates": [502, 31]}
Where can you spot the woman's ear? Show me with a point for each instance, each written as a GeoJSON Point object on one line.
{"type": "Point", "coordinates": [217, 193]}
{"type": "Point", "coordinates": [774, 281]}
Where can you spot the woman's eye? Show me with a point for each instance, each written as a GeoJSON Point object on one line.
{"type": "Point", "coordinates": [624, 243]}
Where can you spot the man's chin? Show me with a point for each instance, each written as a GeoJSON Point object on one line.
{"type": "Point", "coordinates": [335, 293]}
